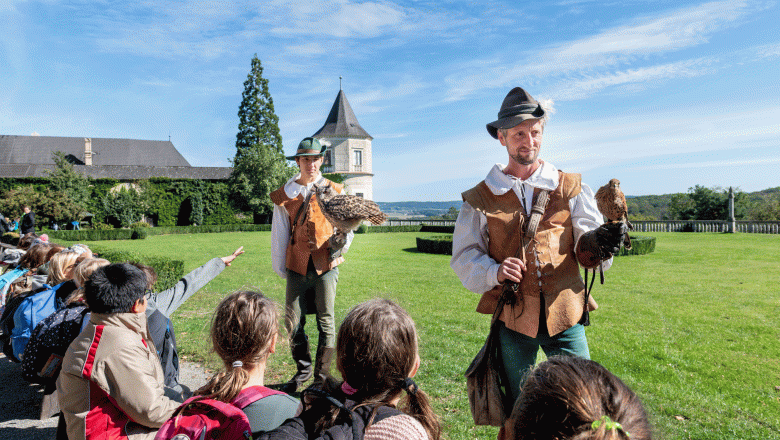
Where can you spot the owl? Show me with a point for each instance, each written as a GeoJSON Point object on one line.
{"type": "Point", "coordinates": [612, 203]}
{"type": "Point", "coordinates": [347, 212]}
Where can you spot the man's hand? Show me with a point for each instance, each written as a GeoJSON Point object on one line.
{"type": "Point", "coordinates": [511, 269]}
{"type": "Point", "coordinates": [609, 236]}
{"type": "Point", "coordinates": [229, 259]}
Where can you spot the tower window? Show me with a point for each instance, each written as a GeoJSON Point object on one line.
{"type": "Point", "coordinates": [358, 157]}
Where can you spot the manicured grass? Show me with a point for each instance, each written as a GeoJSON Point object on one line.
{"type": "Point", "coordinates": [693, 327]}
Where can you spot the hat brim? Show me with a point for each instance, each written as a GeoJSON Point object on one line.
{"type": "Point", "coordinates": [512, 121]}
{"type": "Point", "coordinates": [305, 154]}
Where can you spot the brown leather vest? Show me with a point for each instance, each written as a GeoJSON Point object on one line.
{"type": "Point", "coordinates": [551, 266]}
{"type": "Point", "coordinates": [310, 238]}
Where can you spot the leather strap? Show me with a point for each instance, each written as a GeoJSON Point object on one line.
{"type": "Point", "coordinates": [302, 209]}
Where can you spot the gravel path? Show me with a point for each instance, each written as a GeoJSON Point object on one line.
{"type": "Point", "coordinates": [20, 401]}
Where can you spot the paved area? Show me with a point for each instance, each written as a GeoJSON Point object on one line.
{"type": "Point", "coordinates": [20, 402]}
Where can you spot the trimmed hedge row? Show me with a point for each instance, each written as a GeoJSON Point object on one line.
{"type": "Point", "coordinates": [437, 244]}
{"type": "Point", "coordinates": [363, 229]}
{"type": "Point", "coordinates": [438, 228]}
{"type": "Point", "coordinates": [442, 244]}
{"type": "Point", "coordinates": [640, 245]}
{"type": "Point", "coordinates": [235, 227]}
{"type": "Point", "coordinates": [169, 271]}
{"type": "Point", "coordinates": [99, 234]}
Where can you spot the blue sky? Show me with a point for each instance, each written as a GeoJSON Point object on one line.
{"type": "Point", "coordinates": [663, 95]}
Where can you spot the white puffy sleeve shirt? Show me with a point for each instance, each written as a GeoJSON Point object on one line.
{"type": "Point", "coordinates": [470, 260]}
{"type": "Point", "coordinates": [280, 226]}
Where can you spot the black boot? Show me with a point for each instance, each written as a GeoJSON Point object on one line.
{"type": "Point", "coordinates": [322, 363]}
{"type": "Point", "coordinates": [302, 358]}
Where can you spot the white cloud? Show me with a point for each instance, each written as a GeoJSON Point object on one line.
{"type": "Point", "coordinates": [615, 48]}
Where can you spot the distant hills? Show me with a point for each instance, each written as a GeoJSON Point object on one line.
{"type": "Point", "coordinates": [654, 207]}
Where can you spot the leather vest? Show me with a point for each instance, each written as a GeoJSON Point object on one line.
{"type": "Point", "coordinates": [309, 240]}
{"type": "Point", "coordinates": [551, 266]}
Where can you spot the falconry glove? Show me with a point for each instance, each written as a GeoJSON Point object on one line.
{"type": "Point", "coordinates": [336, 243]}
{"type": "Point", "coordinates": [600, 244]}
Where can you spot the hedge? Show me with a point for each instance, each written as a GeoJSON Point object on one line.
{"type": "Point", "coordinates": [639, 246]}
{"type": "Point", "coordinates": [235, 227]}
{"type": "Point", "coordinates": [442, 244]}
{"type": "Point", "coordinates": [363, 229]}
{"type": "Point", "coordinates": [99, 234]}
{"type": "Point", "coordinates": [437, 244]}
{"type": "Point", "coordinates": [169, 271]}
{"type": "Point", "coordinates": [438, 228]}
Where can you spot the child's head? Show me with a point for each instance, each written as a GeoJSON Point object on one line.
{"type": "Point", "coordinates": [61, 267]}
{"type": "Point", "coordinates": [151, 275]}
{"type": "Point", "coordinates": [82, 273]}
{"type": "Point", "coordinates": [35, 256]}
{"type": "Point", "coordinates": [569, 397]}
{"type": "Point", "coordinates": [114, 288]}
{"type": "Point", "coordinates": [244, 331]}
{"type": "Point", "coordinates": [377, 349]}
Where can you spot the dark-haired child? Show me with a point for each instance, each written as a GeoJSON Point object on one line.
{"type": "Point", "coordinates": [244, 331]}
{"type": "Point", "coordinates": [568, 397]}
{"type": "Point", "coordinates": [111, 383]}
{"type": "Point", "coordinates": [377, 355]}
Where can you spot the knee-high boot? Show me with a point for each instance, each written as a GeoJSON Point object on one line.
{"type": "Point", "coordinates": [302, 357]}
{"type": "Point", "coordinates": [322, 363]}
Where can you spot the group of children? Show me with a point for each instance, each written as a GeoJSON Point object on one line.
{"type": "Point", "coordinates": [114, 384]}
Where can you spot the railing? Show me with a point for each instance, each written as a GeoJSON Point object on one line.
{"type": "Point", "coordinates": [706, 226]}
{"type": "Point", "coordinates": [418, 221]}
{"type": "Point", "coordinates": [749, 227]}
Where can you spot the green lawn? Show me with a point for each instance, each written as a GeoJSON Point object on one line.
{"type": "Point", "coordinates": [692, 327]}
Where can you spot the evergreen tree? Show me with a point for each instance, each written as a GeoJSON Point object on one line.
{"type": "Point", "coordinates": [259, 166]}
{"type": "Point", "coordinates": [65, 180]}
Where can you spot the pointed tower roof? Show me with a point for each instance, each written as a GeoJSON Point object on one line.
{"type": "Point", "coordinates": [341, 121]}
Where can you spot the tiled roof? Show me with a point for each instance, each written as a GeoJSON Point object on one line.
{"type": "Point", "coordinates": [120, 172]}
{"type": "Point", "coordinates": [39, 149]}
{"type": "Point", "coordinates": [341, 121]}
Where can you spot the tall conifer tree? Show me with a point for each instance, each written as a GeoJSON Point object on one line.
{"type": "Point", "coordinates": [259, 166]}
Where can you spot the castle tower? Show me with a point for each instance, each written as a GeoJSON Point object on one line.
{"type": "Point", "coordinates": [350, 148]}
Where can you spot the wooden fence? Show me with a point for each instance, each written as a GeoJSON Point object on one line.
{"type": "Point", "coordinates": [749, 227]}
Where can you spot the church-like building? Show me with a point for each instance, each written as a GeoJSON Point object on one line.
{"type": "Point", "coordinates": [349, 153]}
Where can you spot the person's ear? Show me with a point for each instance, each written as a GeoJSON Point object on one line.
{"type": "Point", "coordinates": [415, 367]}
{"type": "Point", "coordinates": [139, 306]}
{"type": "Point", "coordinates": [274, 338]}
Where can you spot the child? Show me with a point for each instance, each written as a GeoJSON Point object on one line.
{"type": "Point", "coordinates": [244, 331]}
{"type": "Point", "coordinates": [376, 353]}
{"type": "Point", "coordinates": [111, 383]}
{"type": "Point", "coordinates": [569, 397]}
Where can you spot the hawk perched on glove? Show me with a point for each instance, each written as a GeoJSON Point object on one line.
{"type": "Point", "coordinates": [347, 212]}
{"type": "Point", "coordinates": [612, 203]}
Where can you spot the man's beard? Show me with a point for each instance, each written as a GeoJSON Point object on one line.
{"type": "Point", "coordinates": [527, 160]}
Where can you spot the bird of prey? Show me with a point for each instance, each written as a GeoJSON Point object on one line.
{"type": "Point", "coordinates": [612, 203]}
{"type": "Point", "coordinates": [347, 212]}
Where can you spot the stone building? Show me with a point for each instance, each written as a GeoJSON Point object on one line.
{"type": "Point", "coordinates": [121, 159]}
{"type": "Point", "coordinates": [349, 153]}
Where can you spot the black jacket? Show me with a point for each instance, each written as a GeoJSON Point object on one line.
{"type": "Point", "coordinates": [28, 223]}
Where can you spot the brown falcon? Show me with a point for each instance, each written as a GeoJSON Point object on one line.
{"type": "Point", "coordinates": [347, 212]}
{"type": "Point", "coordinates": [612, 203]}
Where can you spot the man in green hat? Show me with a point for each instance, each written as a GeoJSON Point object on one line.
{"type": "Point", "coordinates": [306, 253]}
{"type": "Point", "coordinates": [492, 244]}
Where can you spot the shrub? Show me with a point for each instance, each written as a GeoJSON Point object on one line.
{"type": "Point", "coordinates": [169, 271]}
{"type": "Point", "coordinates": [437, 244]}
{"type": "Point", "coordinates": [639, 246]}
{"type": "Point", "coordinates": [101, 226]}
{"type": "Point", "coordinates": [96, 234]}
{"type": "Point", "coordinates": [141, 224]}
{"type": "Point", "coordinates": [438, 228]}
{"type": "Point", "coordinates": [235, 227]}
{"type": "Point", "coordinates": [138, 234]}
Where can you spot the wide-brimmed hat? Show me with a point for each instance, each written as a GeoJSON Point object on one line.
{"type": "Point", "coordinates": [309, 147]}
{"type": "Point", "coordinates": [516, 108]}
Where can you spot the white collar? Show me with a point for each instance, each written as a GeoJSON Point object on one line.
{"type": "Point", "coordinates": [545, 177]}
{"type": "Point", "coordinates": [293, 188]}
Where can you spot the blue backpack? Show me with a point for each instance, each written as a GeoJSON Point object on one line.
{"type": "Point", "coordinates": [32, 310]}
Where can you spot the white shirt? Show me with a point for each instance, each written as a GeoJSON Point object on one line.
{"type": "Point", "coordinates": [470, 260]}
{"type": "Point", "coordinates": [280, 225]}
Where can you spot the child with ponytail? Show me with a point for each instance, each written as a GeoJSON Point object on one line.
{"type": "Point", "coordinates": [571, 398]}
{"type": "Point", "coordinates": [377, 356]}
{"type": "Point", "coordinates": [244, 331]}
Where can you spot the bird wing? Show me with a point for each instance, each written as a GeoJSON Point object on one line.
{"type": "Point", "coordinates": [346, 207]}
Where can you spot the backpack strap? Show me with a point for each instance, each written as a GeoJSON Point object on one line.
{"type": "Point", "coordinates": [251, 395]}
